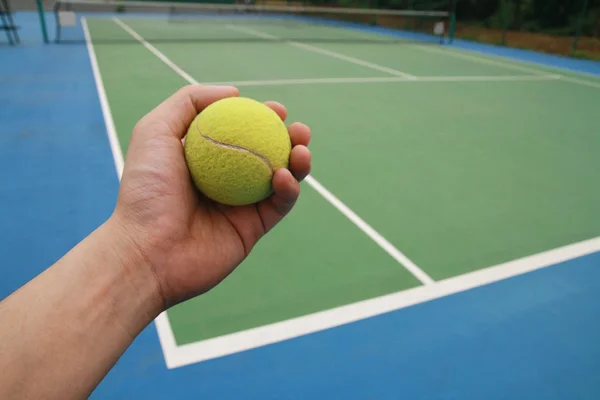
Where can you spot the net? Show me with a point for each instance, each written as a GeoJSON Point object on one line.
{"type": "Point", "coordinates": [111, 21]}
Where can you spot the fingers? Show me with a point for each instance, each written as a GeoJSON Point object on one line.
{"type": "Point", "coordinates": [299, 134]}
{"type": "Point", "coordinates": [285, 187]}
{"type": "Point", "coordinates": [278, 108]}
{"type": "Point", "coordinates": [178, 111]}
{"type": "Point", "coordinates": [300, 162]}
{"type": "Point", "coordinates": [286, 191]}
{"type": "Point", "coordinates": [300, 157]}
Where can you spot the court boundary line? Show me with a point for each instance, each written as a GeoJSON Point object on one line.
{"type": "Point", "coordinates": [113, 140]}
{"type": "Point", "coordinates": [391, 79]}
{"type": "Point", "coordinates": [179, 356]}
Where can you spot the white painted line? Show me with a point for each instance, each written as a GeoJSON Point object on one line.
{"type": "Point", "coordinates": [155, 51]}
{"type": "Point", "coordinates": [108, 120]}
{"type": "Point", "coordinates": [284, 330]}
{"type": "Point", "coordinates": [372, 233]}
{"type": "Point", "coordinates": [490, 78]}
{"type": "Point", "coordinates": [479, 60]}
{"type": "Point", "coordinates": [391, 79]}
{"type": "Point", "coordinates": [166, 339]}
{"type": "Point", "coordinates": [329, 53]}
{"type": "Point", "coordinates": [581, 82]}
{"type": "Point", "coordinates": [165, 334]}
{"type": "Point", "coordinates": [487, 59]}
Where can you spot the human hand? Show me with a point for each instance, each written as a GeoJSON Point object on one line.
{"type": "Point", "coordinates": [188, 242]}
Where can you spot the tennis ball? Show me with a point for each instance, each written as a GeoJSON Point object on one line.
{"type": "Point", "coordinates": [232, 149]}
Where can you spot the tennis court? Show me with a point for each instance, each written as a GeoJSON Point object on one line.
{"type": "Point", "coordinates": [437, 171]}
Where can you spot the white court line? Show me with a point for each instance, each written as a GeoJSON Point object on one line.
{"type": "Point", "coordinates": [480, 60]}
{"type": "Point", "coordinates": [372, 233]}
{"type": "Point", "coordinates": [179, 356]}
{"type": "Point", "coordinates": [485, 59]}
{"type": "Point", "coordinates": [155, 51]}
{"type": "Point", "coordinates": [319, 50]}
{"type": "Point", "coordinates": [581, 81]}
{"type": "Point", "coordinates": [165, 333]}
{"type": "Point", "coordinates": [391, 79]}
{"type": "Point", "coordinates": [108, 120]}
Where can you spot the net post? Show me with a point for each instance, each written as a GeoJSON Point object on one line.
{"type": "Point", "coordinates": [579, 27]}
{"type": "Point", "coordinates": [42, 16]}
{"type": "Point", "coordinates": [452, 27]}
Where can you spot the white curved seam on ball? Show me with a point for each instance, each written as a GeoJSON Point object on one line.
{"type": "Point", "coordinates": [234, 147]}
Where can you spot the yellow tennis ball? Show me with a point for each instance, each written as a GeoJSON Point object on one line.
{"type": "Point", "coordinates": [233, 148]}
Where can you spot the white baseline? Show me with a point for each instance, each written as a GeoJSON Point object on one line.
{"type": "Point", "coordinates": [178, 356]}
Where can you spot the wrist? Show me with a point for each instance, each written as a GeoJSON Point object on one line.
{"type": "Point", "coordinates": [134, 291]}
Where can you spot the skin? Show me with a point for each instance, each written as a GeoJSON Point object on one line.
{"type": "Point", "coordinates": [64, 330]}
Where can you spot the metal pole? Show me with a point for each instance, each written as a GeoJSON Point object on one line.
{"type": "Point", "coordinates": [452, 27]}
{"type": "Point", "coordinates": [42, 14]}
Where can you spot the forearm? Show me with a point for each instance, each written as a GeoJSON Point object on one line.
{"type": "Point", "coordinates": [63, 331]}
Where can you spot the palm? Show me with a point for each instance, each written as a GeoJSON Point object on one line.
{"type": "Point", "coordinates": [191, 242]}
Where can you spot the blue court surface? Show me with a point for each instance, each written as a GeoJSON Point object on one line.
{"type": "Point", "coordinates": [500, 305]}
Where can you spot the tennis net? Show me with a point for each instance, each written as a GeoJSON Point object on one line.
{"type": "Point", "coordinates": [113, 21]}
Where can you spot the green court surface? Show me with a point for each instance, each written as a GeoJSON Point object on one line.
{"type": "Point", "coordinates": [454, 160]}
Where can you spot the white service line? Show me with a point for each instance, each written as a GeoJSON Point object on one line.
{"type": "Point", "coordinates": [179, 356]}
{"type": "Point", "coordinates": [155, 51]}
{"type": "Point", "coordinates": [384, 244]}
{"type": "Point", "coordinates": [319, 50]}
{"type": "Point", "coordinates": [390, 79]}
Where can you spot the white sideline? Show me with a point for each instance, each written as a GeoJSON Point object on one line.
{"type": "Point", "coordinates": [108, 120]}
